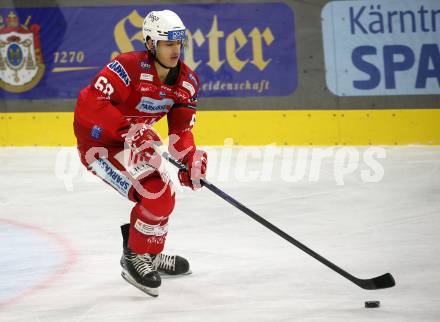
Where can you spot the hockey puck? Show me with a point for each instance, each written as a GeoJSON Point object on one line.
{"type": "Point", "coordinates": [372, 304]}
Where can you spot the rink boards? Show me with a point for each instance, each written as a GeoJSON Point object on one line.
{"type": "Point", "coordinates": [279, 127]}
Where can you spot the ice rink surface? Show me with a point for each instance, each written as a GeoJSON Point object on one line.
{"type": "Point", "coordinates": [61, 244]}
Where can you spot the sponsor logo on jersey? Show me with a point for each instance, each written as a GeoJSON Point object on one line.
{"type": "Point", "coordinates": [146, 77]}
{"type": "Point", "coordinates": [193, 78]}
{"type": "Point", "coordinates": [110, 174]}
{"type": "Point", "coordinates": [162, 94]}
{"type": "Point", "coordinates": [96, 132]}
{"type": "Point", "coordinates": [21, 61]}
{"type": "Point", "coordinates": [189, 87]}
{"type": "Point", "coordinates": [165, 88]}
{"type": "Point", "coordinates": [119, 70]}
{"type": "Point", "coordinates": [150, 105]}
{"type": "Point", "coordinates": [177, 35]}
{"type": "Point", "coordinates": [145, 65]}
{"type": "Point", "coordinates": [145, 87]}
{"type": "Point", "coordinates": [181, 94]}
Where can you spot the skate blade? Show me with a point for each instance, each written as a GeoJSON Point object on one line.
{"type": "Point", "coordinates": [148, 290]}
{"type": "Point", "coordinates": [164, 275]}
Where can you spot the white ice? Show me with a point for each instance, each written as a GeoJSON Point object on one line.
{"type": "Point", "coordinates": [61, 244]}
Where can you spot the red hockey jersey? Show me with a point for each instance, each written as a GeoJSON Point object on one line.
{"type": "Point", "coordinates": [127, 91]}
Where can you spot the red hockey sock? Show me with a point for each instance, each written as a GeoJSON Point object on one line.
{"type": "Point", "coordinates": [149, 220]}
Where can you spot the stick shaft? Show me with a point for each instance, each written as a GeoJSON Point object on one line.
{"type": "Point", "coordinates": [380, 282]}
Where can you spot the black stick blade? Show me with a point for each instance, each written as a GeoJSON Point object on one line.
{"type": "Point", "coordinates": [379, 282]}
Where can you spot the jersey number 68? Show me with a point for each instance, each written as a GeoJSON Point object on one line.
{"type": "Point", "coordinates": [104, 86]}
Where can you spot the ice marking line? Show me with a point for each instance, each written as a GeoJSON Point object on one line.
{"type": "Point", "coordinates": [60, 269]}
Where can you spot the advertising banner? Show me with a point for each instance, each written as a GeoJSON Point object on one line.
{"type": "Point", "coordinates": [238, 50]}
{"type": "Point", "coordinates": [377, 47]}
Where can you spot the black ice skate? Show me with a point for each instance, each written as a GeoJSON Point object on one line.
{"type": "Point", "coordinates": [140, 271]}
{"type": "Point", "coordinates": [172, 265]}
{"type": "Point", "coordinates": [167, 265]}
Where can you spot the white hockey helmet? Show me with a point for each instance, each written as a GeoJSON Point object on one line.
{"type": "Point", "coordinates": [163, 25]}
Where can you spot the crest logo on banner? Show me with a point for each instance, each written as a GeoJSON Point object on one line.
{"type": "Point", "coordinates": [21, 61]}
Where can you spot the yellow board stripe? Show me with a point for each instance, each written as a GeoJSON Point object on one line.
{"type": "Point", "coordinates": [286, 127]}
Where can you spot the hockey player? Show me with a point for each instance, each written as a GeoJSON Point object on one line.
{"type": "Point", "coordinates": [112, 123]}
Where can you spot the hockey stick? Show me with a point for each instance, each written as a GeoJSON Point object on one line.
{"type": "Point", "coordinates": [379, 282]}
